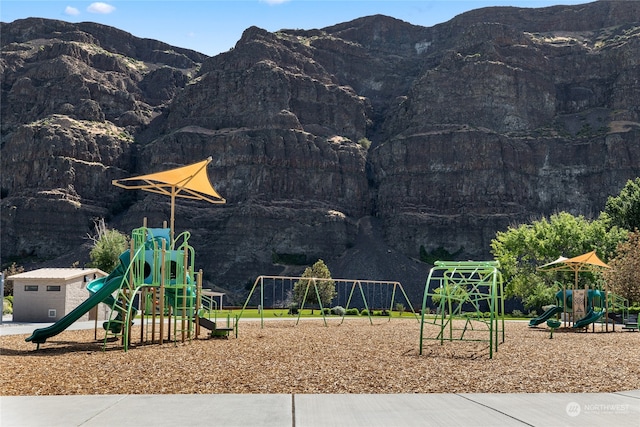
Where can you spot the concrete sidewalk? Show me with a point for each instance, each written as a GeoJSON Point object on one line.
{"type": "Point", "coordinates": [320, 410]}
{"type": "Point", "coordinates": [9, 327]}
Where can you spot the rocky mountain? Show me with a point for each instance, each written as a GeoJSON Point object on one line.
{"type": "Point", "coordinates": [360, 143]}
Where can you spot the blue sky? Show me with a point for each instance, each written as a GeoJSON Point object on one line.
{"type": "Point", "coordinates": [214, 26]}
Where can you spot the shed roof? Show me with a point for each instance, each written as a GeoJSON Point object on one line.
{"type": "Point", "coordinates": [62, 274]}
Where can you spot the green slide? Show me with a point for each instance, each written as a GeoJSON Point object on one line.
{"type": "Point", "coordinates": [100, 289]}
{"type": "Point", "coordinates": [546, 315]}
{"type": "Point", "coordinates": [592, 316]}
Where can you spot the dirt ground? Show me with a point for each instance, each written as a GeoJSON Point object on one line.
{"type": "Point", "coordinates": [354, 357]}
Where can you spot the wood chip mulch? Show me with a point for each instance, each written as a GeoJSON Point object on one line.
{"type": "Point", "coordinates": [354, 357]}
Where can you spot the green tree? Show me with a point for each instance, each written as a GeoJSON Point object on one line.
{"type": "Point", "coordinates": [520, 250]}
{"type": "Point", "coordinates": [108, 245]}
{"type": "Point", "coordinates": [623, 210]}
{"type": "Point", "coordinates": [326, 288]}
{"type": "Point", "coordinates": [624, 276]}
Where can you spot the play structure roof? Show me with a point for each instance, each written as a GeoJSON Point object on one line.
{"type": "Point", "coordinates": [582, 262]}
{"type": "Point", "coordinates": [188, 182]}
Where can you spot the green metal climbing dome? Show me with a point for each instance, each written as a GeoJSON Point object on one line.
{"type": "Point", "coordinates": [467, 297]}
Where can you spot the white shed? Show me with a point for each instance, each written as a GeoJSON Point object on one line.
{"type": "Point", "coordinates": [49, 294]}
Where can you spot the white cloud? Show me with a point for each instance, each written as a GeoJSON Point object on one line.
{"type": "Point", "coordinates": [99, 7]}
{"type": "Point", "coordinates": [71, 11]}
{"type": "Point", "coordinates": [273, 2]}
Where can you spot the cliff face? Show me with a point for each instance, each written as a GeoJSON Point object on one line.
{"type": "Point", "coordinates": [496, 117]}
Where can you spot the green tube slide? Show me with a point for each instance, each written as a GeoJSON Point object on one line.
{"type": "Point", "coordinates": [101, 290]}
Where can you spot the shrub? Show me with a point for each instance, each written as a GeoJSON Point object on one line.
{"type": "Point", "coordinates": [293, 309]}
{"type": "Point", "coordinates": [338, 310]}
{"type": "Point", "coordinates": [364, 143]}
{"type": "Point", "coordinates": [108, 244]}
{"type": "Point", "coordinates": [381, 313]}
{"type": "Point", "coordinates": [634, 309]}
{"type": "Point", "coordinates": [364, 312]}
{"type": "Point", "coordinates": [326, 311]}
{"type": "Point", "coordinates": [517, 313]}
{"type": "Point", "coordinates": [7, 306]}
{"type": "Point", "coordinates": [352, 312]}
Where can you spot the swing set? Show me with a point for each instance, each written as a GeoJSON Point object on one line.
{"type": "Point", "coordinates": [276, 292]}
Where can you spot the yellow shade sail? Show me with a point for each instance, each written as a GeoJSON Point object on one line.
{"type": "Point", "coordinates": [582, 262]}
{"type": "Point", "coordinates": [187, 182]}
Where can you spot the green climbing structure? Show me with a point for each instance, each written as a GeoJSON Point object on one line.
{"type": "Point", "coordinates": [155, 262]}
{"type": "Point", "coordinates": [467, 297]}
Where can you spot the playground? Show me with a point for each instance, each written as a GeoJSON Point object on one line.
{"type": "Point", "coordinates": [158, 305]}
{"type": "Point", "coordinates": [355, 357]}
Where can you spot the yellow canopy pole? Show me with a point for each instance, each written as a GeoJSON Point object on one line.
{"type": "Point", "coordinates": [173, 215]}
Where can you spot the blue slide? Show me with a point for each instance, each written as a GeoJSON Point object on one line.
{"type": "Point", "coordinates": [546, 315]}
{"type": "Point", "coordinates": [100, 289]}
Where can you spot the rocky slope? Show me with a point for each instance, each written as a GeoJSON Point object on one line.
{"type": "Point", "coordinates": [495, 117]}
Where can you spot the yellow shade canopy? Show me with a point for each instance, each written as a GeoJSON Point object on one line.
{"type": "Point", "coordinates": [187, 182]}
{"type": "Point", "coordinates": [582, 262]}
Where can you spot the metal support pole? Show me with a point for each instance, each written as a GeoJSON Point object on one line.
{"type": "Point", "coordinates": [161, 296]}
{"type": "Point", "coordinates": [2, 292]}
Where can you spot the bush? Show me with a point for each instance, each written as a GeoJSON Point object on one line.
{"type": "Point", "coordinates": [326, 311]}
{"type": "Point", "coordinates": [352, 312]}
{"type": "Point", "coordinates": [364, 312]}
{"type": "Point", "coordinates": [293, 309]}
{"type": "Point", "coordinates": [7, 305]}
{"type": "Point", "coordinates": [634, 309]}
{"type": "Point", "coordinates": [108, 244]}
{"type": "Point", "coordinates": [381, 313]}
{"type": "Point", "coordinates": [338, 310]}
{"type": "Point", "coordinates": [517, 313]}
{"type": "Point", "coordinates": [364, 143]}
